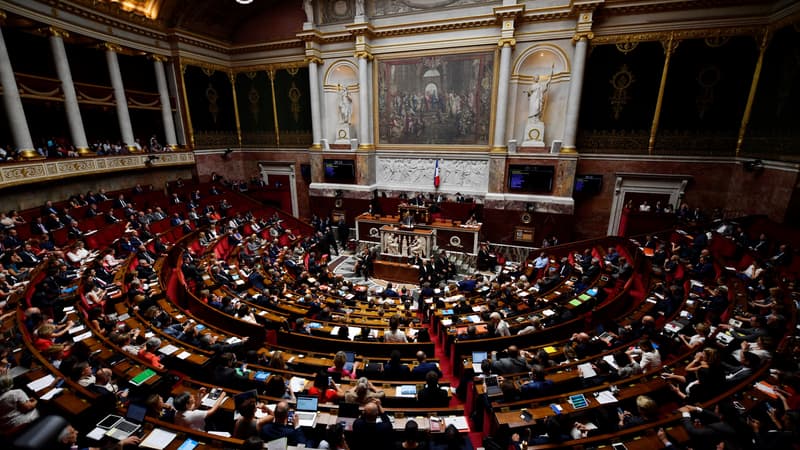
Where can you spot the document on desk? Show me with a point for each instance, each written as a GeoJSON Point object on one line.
{"type": "Point", "coordinates": [460, 422]}
{"type": "Point", "coordinates": [41, 383]}
{"type": "Point", "coordinates": [157, 439]}
{"type": "Point", "coordinates": [605, 397]}
{"type": "Point", "coordinates": [52, 393]}
{"type": "Point", "coordinates": [297, 384]}
{"type": "Point", "coordinates": [586, 370]}
{"type": "Point", "coordinates": [184, 354]}
{"type": "Point", "coordinates": [406, 390]}
{"type": "Point", "coordinates": [168, 349]}
{"type": "Point", "coordinates": [81, 337]}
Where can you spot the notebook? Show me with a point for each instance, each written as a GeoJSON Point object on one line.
{"type": "Point", "coordinates": [120, 428]}
{"type": "Point", "coordinates": [306, 415]}
{"type": "Point", "coordinates": [142, 377]}
{"type": "Point", "coordinates": [477, 359]}
{"type": "Point", "coordinates": [492, 386]}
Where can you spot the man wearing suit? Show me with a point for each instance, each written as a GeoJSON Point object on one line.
{"type": "Point", "coordinates": [368, 432]}
{"type": "Point", "coordinates": [423, 367]}
{"type": "Point", "coordinates": [29, 259]}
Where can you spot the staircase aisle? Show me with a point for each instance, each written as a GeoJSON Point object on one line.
{"type": "Point", "coordinates": [447, 375]}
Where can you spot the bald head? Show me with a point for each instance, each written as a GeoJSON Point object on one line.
{"type": "Point", "coordinates": [371, 412]}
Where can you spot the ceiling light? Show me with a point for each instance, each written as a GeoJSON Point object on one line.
{"type": "Point", "coordinates": [244, 2]}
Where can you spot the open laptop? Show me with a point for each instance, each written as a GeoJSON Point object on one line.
{"type": "Point", "coordinates": [120, 428]}
{"type": "Point", "coordinates": [492, 386]}
{"type": "Point", "coordinates": [350, 359]}
{"type": "Point", "coordinates": [477, 359]}
{"type": "Point", "coordinates": [306, 411]}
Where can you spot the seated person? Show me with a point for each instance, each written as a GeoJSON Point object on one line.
{"type": "Point", "coordinates": [420, 371]}
{"type": "Point", "coordinates": [186, 413]}
{"type": "Point", "coordinates": [280, 427]}
{"type": "Point", "coordinates": [394, 369]}
{"type": "Point", "coordinates": [432, 395]}
{"type": "Point", "coordinates": [338, 369]}
{"type": "Point", "coordinates": [326, 389]}
{"type": "Point", "coordinates": [363, 392]}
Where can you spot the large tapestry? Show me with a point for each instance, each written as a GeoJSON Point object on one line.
{"type": "Point", "coordinates": [442, 99]}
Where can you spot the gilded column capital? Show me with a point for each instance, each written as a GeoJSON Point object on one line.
{"type": "Point", "coordinates": [364, 54]}
{"type": "Point", "coordinates": [58, 32]}
{"type": "Point", "coordinates": [314, 60]}
{"type": "Point", "coordinates": [507, 42]}
{"type": "Point", "coordinates": [112, 47]}
{"type": "Point", "coordinates": [159, 58]}
{"type": "Point", "coordinates": [582, 36]}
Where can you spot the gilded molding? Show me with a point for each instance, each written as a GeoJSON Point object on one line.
{"type": "Point", "coordinates": [498, 149]}
{"type": "Point", "coordinates": [159, 58]}
{"type": "Point", "coordinates": [38, 169]}
{"type": "Point", "coordinates": [366, 147]}
{"type": "Point", "coordinates": [676, 35]}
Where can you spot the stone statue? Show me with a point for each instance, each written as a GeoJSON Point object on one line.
{"type": "Point", "coordinates": [536, 96]}
{"type": "Point", "coordinates": [393, 245]}
{"type": "Point", "coordinates": [359, 8]}
{"type": "Point", "coordinates": [345, 105]}
{"type": "Point", "coordinates": [309, 10]}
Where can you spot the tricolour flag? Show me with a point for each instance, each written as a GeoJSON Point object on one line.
{"type": "Point", "coordinates": [436, 175]}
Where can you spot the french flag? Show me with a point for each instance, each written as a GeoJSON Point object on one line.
{"type": "Point", "coordinates": [436, 175]}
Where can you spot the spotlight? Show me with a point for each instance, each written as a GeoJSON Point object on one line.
{"type": "Point", "coordinates": [244, 2]}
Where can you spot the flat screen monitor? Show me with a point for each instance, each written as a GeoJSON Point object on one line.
{"type": "Point", "coordinates": [530, 179]}
{"type": "Point", "coordinates": [339, 170]}
{"type": "Point", "coordinates": [588, 184]}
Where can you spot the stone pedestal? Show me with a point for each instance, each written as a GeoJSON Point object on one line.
{"type": "Point", "coordinates": [534, 133]}
{"type": "Point", "coordinates": [344, 132]}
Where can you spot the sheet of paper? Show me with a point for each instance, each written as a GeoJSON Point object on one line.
{"type": "Point", "coordinates": [52, 393]}
{"type": "Point", "coordinates": [460, 422]}
{"type": "Point", "coordinates": [586, 370]}
{"type": "Point", "coordinates": [81, 337]}
{"type": "Point", "coordinates": [41, 383]}
{"type": "Point", "coordinates": [96, 434]}
{"type": "Point", "coordinates": [184, 354]}
{"type": "Point", "coordinates": [605, 397]}
{"type": "Point", "coordinates": [157, 439]}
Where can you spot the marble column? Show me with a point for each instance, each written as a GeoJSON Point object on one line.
{"type": "Point", "coordinates": [70, 97]}
{"type": "Point", "coordinates": [13, 104]}
{"type": "Point", "coordinates": [125, 128]}
{"type": "Point", "coordinates": [502, 95]}
{"type": "Point", "coordinates": [313, 89]}
{"type": "Point", "coordinates": [363, 103]}
{"type": "Point", "coordinates": [166, 107]}
{"type": "Point", "coordinates": [575, 88]}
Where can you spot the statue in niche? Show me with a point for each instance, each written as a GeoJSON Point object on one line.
{"type": "Point", "coordinates": [536, 96]}
{"type": "Point", "coordinates": [393, 245]}
{"type": "Point", "coordinates": [359, 8]}
{"type": "Point", "coordinates": [309, 10]}
{"type": "Point", "coordinates": [345, 105]}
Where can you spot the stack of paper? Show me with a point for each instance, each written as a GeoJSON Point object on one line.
{"type": "Point", "coordinates": [157, 439]}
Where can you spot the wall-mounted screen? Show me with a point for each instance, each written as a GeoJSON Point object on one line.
{"type": "Point", "coordinates": [530, 179]}
{"type": "Point", "coordinates": [588, 184]}
{"type": "Point", "coordinates": [340, 170]}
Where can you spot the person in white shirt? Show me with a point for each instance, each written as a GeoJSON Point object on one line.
{"type": "Point", "coordinates": [78, 253]}
{"type": "Point", "coordinates": [500, 325]}
{"type": "Point", "coordinates": [650, 358]}
{"type": "Point", "coordinates": [394, 334]}
{"type": "Point", "coordinates": [188, 416]}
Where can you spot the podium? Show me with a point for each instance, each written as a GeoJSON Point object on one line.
{"type": "Point", "coordinates": [402, 242]}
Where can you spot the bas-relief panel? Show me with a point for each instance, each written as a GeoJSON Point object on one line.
{"type": "Point", "coordinates": [417, 173]}
{"type": "Point", "coordinates": [389, 7]}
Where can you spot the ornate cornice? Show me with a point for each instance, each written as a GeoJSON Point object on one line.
{"type": "Point", "coordinates": [508, 12]}
{"type": "Point", "coordinates": [600, 39]}
{"type": "Point", "coordinates": [58, 32]}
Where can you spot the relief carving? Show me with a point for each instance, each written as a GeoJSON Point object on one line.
{"type": "Point", "coordinates": [455, 174]}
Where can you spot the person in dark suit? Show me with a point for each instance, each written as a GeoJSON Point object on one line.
{"type": "Point", "coordinates": [394, 369]}
{"type": "Point", "coordinates": [281, 428]}
{"type": "Point", "coordinates": [368, 432]}
{"type": "Point", "coordinates": [420, 372]}
{"type": "Point", "coordinates": [432, 395]}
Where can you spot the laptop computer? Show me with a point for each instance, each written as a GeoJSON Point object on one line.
{"type": "Point", "coordinates": [477, 359]}
{"type": "Point", "coordinates": [306, 411]}
{"type": "Point", "coordinates": [120, 428]}
{"type": "Point", "coordinates": [350, 359]}
{"type": "Point", "coordinates": [492, 386]}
